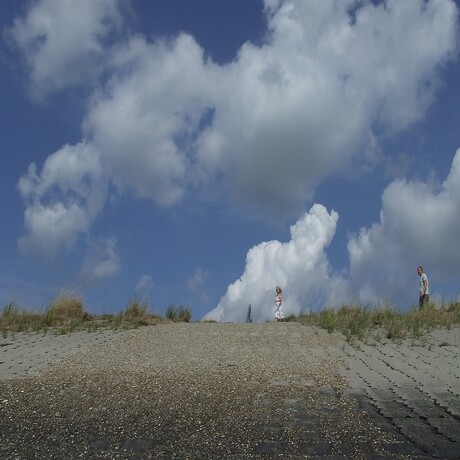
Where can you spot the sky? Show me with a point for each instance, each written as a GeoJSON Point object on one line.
{"type": "Point", "coordinates": [202, 153]}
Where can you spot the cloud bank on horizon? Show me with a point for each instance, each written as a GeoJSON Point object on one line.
{"type": "Point", "coordinates": [378, 255]}
{"type": "Point", "coordinates": [260, 132]}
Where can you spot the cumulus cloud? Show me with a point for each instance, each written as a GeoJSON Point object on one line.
{"type": "Point", "coordinates": [299, 266]}
{"type": "Point", "coordinates": [305, 104]}
{"type": "Point", "coordinates": [64, 41]}
{"type": "Point", "coordinates": [419, 225]}
{"type": "Point", "coordinates": [266, 128]}
{"type": "Point", "coordinates": [279, 118]}
{"type": "Point", "coordinates": [101, 261]}
{"type": "Point", "coordinates": [63, 199]}
{"type": "Point", "coordinates": [146, 120]}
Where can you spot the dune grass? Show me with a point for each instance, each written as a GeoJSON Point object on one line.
{"type": "Point", "coordinates": [66, 313]}
{"type": "Point", "coordinates": [183, 314]}
{"type": "Point", "coordinates": [360, 323]}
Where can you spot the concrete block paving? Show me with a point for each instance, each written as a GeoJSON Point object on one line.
{"type": "Point", "coordinates": [414, 388]}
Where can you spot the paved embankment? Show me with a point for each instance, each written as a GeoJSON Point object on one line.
{"type": "Point", "coordinates": [412, 388]}
{"type": "Point", "coordinates": [228, 391]}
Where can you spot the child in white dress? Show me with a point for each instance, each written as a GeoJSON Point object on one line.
{"type": "Point", "coordinates": [279, 315]}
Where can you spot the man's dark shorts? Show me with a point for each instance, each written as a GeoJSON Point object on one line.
{"type": "Point", "coordinates": [423, 300]}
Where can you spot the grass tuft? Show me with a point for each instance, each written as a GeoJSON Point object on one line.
{"type": "Point", "coordinates": [66, 308]}
{"type": "Point", "coordinates": [180, 313]}
{"type": "Point", "coordinates": [66, 313]}
{"type": "Point", "coordinates": [359, 323]}
{"type": "Point", "coordinates": [327, 320]}
{"type": "Point", "coordinates": [138, 312]}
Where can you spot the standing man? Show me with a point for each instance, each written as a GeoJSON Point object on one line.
{"type": "Point", "coordinates": [423, 288]}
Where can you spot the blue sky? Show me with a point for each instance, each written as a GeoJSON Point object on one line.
{"type": "Point", "coordinates": [203, 155]}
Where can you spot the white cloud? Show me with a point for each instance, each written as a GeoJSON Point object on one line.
{"type": "Point", "coordinates": [281, 117]}
{"type": "Point", "coordinates": [144, 284]}
{"type": "Point", "coordinates": [102, 260]}
{"type": "Point", "coordinates": [304, 105]}
{"type": "Point", "coordinates": [64, 41]}
{"type": "Point", "coordinates": [299, 266]}
{"type": "Point", "coordinates": [197, 279]}
{"type": "Point", "coordinates": [196, 283]}
{"type": "Point", "coordinates": [63, 200]}
{"type": "Point", "coordinates": [267, 127]}
{"type": "Point", "coordinates": [145, 122]}
{"type": "Point", "coordinates": [419, 225]}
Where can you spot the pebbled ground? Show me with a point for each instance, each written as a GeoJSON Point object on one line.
{"type": "Point", "coordinates": [273, 390]}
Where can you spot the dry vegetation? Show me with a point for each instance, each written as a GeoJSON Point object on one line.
{"type": "Point", "coordinates": [66, 313]}
{"type": "Point", "coordinates": [356, 322]}
{"type": "Point", "coordinates": [179, 314]}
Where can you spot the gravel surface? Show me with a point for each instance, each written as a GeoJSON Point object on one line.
{"type": "Point", "coordinates": [202, 390]}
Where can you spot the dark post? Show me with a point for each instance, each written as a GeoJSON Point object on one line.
{"type": "Point", "coordinates": [248, 317]}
